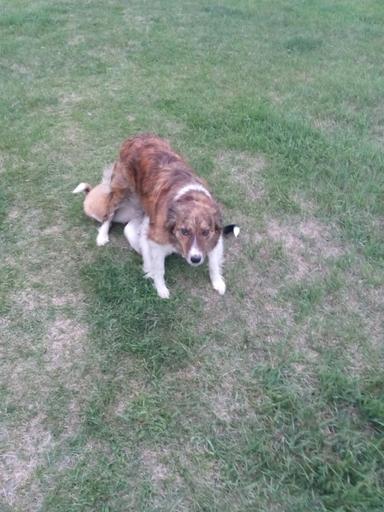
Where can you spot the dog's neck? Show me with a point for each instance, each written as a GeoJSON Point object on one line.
{"type": "Point", "coordinates": [192, 187]}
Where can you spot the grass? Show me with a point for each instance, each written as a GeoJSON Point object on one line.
{"type": "Point", "coordinates": [270, 398]}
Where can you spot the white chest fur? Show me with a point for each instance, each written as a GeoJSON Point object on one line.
{"type": "Point", "coordinates": [154, 254]}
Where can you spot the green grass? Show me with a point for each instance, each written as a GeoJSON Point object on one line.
{"type": "Point", "coordinates": [270, 398]}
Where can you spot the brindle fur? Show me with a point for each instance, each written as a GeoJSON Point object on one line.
{"type": "Point", "coordinates": [148, 167]}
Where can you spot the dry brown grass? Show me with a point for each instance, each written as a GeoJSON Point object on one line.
{"type": "Point", "coordinates": [46, 350]}
{"type": "Point", "coordinates": [308, 244]}
{"type": "Point", "coordinates": [243, 170]}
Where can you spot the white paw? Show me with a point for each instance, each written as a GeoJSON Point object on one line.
{"type": "Point", "coordinates": [219, 285]}
{"type": "Point", "coordinates": [163, 292]}
{"type": "Point", "coordinates": [102, 239]}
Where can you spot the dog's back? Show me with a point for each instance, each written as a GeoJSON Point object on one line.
{"type": "Point", "coordinates": [148, 167]}
{"type": "Point", "coordinates": [151, 168]}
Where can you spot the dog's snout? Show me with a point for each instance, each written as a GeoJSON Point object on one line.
{"type": "Point", "coordinates": [196, 259]}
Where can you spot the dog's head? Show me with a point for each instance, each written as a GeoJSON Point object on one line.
{"type": "Point", "coordinates": [194, 224]}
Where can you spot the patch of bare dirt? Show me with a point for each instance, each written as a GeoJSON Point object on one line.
{"type": "Point", "coordinates": [308, 245]}
{"type": "Point", "coordinates": [306, 205]}
{"type": "Point", "coordinates": [46, 351]}
{"type": "Point", "coordinates": [139, 22]}
{"type": "Point", "coordinates": [33, 299]}
{"type": "Point", "coordinates": [21, 69]}
{"type": "Point", "coordinates": [173, 127]}
{"type": "Point", "coordinates": [28, 299]}
{"type": "Point", "coordinates": [326, 126]}
{"type": "Point", "coordinates": [245, 170]}
{"type": "Point", "coordinates": [76, 40]}
{"type": "Point", "coordinates": [368, 303]}
{"type": "Point", "coordinates": [66, 299]}
{"type": "Point", "coordinates": [276, 98]}
{"type": "Point", "coordinates": [35, 369]}
{"type": "Point", "coordinates": [64, 342]}
{"type": "Point", "coordinates": [25, 448]}
{"type": "Point", "coordinates": [154, 466]}
{"type": "Point", "coordinates": [14, 214]}
{"type": "Point", "coordinates": [72, 98]}
{"type": "Point", "coordinates": [223, 401]}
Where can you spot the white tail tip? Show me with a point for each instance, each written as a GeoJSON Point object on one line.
{"type": "Point", "coordinates": [82, 187]}
{"type": "Point", "coordinates": [236, 231]}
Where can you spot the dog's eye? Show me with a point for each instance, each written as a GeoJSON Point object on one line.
{"type": "Point", "coordinates": [184, 231]}
{"type": "Point", "coordinates": [205, 232]}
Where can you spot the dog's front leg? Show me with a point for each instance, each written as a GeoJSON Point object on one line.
{"type": "Point", "coordinates": [147, 259]}
{"type": "Point", "coordinates": [215, 263]}
{"type": "Point", "coordinates": [145, 248]}
{"type": "Point", "coordinates": [156, 271]}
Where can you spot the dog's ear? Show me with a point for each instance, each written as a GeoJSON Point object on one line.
{"type": "Point", "coordinates": [170, 222]}
{"type": "Point", "coordinates": [218, 220]}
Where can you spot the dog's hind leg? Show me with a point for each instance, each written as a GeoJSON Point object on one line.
{"type": "Point", "coordinates": [119, 191]}
{"type": "Point", "coordinates": [102, 237]}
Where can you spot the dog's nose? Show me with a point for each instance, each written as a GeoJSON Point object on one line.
{"type": "Point", "coordinates": [195, 259]}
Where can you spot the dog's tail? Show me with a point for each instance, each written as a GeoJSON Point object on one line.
{"type": "Point", "coordinates": [231, 229]}
{"type": "Point", "coordinates": [82, 187]}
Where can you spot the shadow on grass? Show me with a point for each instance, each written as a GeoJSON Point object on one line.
{"type": "Point", "coordinates": [128, 316]}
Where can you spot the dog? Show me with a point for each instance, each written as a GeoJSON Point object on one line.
{"type": "Point", "coordinates": [96, 200]}
{"type": "Point", "coordinates": [180, 214]}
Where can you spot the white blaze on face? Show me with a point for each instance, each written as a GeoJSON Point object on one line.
{"type": "Point", "coordinates": [195, 255]}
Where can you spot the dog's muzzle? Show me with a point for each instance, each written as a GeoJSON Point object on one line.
{"type": "Point", "coordinates": [195, 260]}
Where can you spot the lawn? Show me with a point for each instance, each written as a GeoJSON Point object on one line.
{"type": "Point", "coordinates": [269, 399]}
